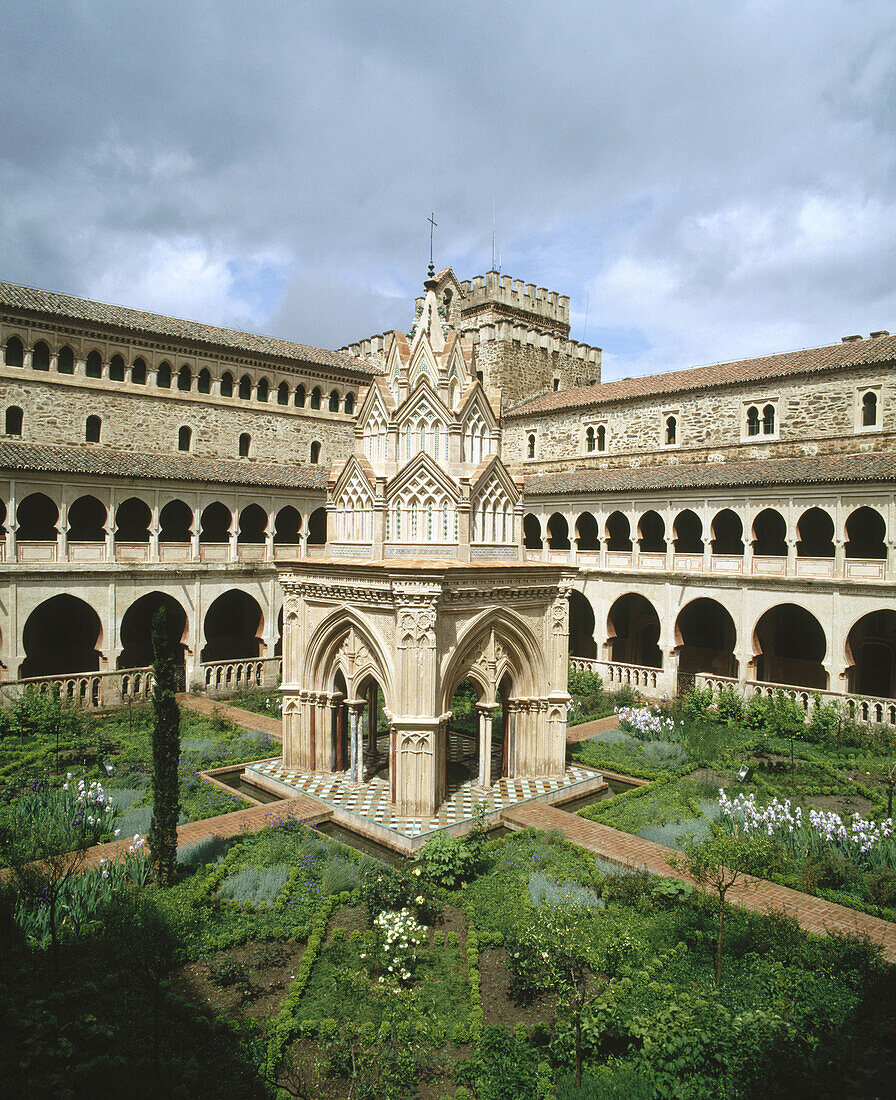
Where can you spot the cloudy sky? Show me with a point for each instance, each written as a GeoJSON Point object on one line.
{"type": "Point", "coordinates": [705, 180]}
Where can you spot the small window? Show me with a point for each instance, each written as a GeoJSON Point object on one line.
{"type": "Point", "coordinates": [315, 453]}
{"type": "Point", "coordinates": [480, 378]}
{"type": "Point", "coordinates": [15, 352]}
{"type": "Point", "coordinates": [261, 390]}
{"type": "Point", "coordinates": [163, 376]}
{"type": "Point", "coordinates": [283, 394]}
{"type": "Point", "coordinates": [40, 356]}
{"type": "Point", "coordinates": [116, 369]}
{"type": "Point", "coordinates": [590, 441]}
{"type": "Point", "coordinates": [315, 398]}
{"type": "Point", "coordinates": [300, 397]}
{"type": "Point", "coordinates": [204, 381]}
{"type": "Point", "coordinates": [65, 360]}
{"type": "Point", "coordinates": [245, 388]}
{"type": "Point", "coordinates": [138, 372]}
{"type": "Point", "coordinates": [670, 436]}
{"type": "Point", "coordinates": [227, 384]}
{"type": "Point", "coordinates": [184, 438]}
{"type": "Point", "coordinates": [349, 403]}
{"type": "Point", "coordinates": [334, 401]}
{"type": "Point", "coordinates": [184, 379]}
{"type": "Point", "coordinates": [92, 429]}
{"type": "Point", "coordinates": [768, 420]}
{"type": "Point", "coordinates": [752, 421]}
{"type": "Point", "coordinates": [94, 366]}
{"type": "Point", "coordinates": [245, 443]}
{"type": "Point", "coordinates": [556, 384]}
{"type": "Point", "coordinates": [601, 437]}
{"type": "Point", "coordinates": [13, 420]}
{"type": "Point", "coordinates": [530, 447]}
{"type": "Point", "coordinates": [869, 410]}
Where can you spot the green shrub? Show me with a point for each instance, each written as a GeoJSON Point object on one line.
{"type": "Point", "coordinates": [340, 875]}
{"type": "Point", "coordinates": [255, 886]}
{"type": "Point", "coordinates": [619, 1082]}
{"type": "Point", "coordinates": [209, 849]}
{"type": "Point", "coordinates": [545, 891]}
{"type": "Point", "coordinates": [730, 705]}
{"type": "Point", "coordinates": [446, 859]}
{"type": "Point", "coordinates": [697, 701]}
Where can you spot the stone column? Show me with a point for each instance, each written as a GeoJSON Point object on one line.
{"type": "Point", "coordinates": [748, 555]}
{"type": "Point", "coordinates": [355, 748]}
{"type": "Point", "coordinates": [486, 712]}
{"type": "Point", "coordinates": [62, 533]}
{"type": "Point", "coordinates": [154, 530]}
{"type": "Point", "coordinates": [194, 534]}
{"type": "Point", "coordinates": [791, 556]}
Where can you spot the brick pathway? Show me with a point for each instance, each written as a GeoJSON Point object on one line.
{"type": "Point", "coordinates": [247, 719]}
{"type": "Point", "coordinates": [813, 914]}
{"type": "Point", "coordinates": [589, 729]}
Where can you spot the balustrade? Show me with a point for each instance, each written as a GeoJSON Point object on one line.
{"type": "Point", "coordinates": [223, 677]}
{"type": "Point", "coordinates": [91, 690]}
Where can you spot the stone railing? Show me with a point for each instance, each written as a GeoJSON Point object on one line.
{"type": "Point", "coordinates": [92, 690]}
{"type": "Point", "coordinates": [223, 677]}
{"type": "Point", "coordinates": [748, 565]}
{"type": "Point", "coordinates": [864, 709]}
{"type": "Point", "coordinates": [136, 552]}
{"type": "Point", "coordinates": [652, 682]}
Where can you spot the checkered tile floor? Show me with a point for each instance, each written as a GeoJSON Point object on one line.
{"type": "Point", "coordinates": [371, 800]}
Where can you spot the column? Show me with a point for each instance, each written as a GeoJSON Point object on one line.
{"type": "Point", "coordinates": [748, 555]}
{"type": "Point", "coordinates": [486, 711]}
{"type": "Point", "coordinates": [154, 530]}
{"type": "Point", "coordinates": [355, 748]}
{"type": "Point", "coordinates": [791, 556]}
{"type": "Point", "coordinates": [234, 553]}
{"type": "Point", "coordinates": [62, 533]}
{"type": "Point", "coordinates": [194, 535]}
{"type": "Point", "coordinates": [269, 537]}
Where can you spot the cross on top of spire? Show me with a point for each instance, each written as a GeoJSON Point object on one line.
{"type": "Point", "coordinates": [432, 225]}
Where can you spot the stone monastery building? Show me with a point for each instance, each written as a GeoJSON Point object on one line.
{"type": "Point", "coordinates": [736, 521]}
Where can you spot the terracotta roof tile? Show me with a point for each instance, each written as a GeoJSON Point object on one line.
{"type": "Point", "coordinates": [843, 468]}
{"type": "Point", "coordinates": [154, 324]}
{"type": "Point", "coordinates": [108, 463]}
{"type": "Point", "coordinates": [881, 349]}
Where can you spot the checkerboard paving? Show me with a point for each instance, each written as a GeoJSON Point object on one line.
{"type": "Point", "coordinates": [371, 799]}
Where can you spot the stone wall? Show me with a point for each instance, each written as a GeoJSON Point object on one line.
{"type": "Point", "coordinates": [820, 411]}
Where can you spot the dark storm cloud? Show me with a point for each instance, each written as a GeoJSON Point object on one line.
{"type": "Point", "coordinates": [712, 180]}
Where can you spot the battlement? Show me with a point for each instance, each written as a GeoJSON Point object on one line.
{"type": "Point", "coordinates": [506, 333]}
{"type": "Point", "coordinates": [544, 307]}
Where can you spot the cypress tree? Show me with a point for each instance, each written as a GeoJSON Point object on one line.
{"type": "Point", "coordinates": [165, 753]}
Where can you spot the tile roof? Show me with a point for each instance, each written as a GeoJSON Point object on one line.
{"type": "Point", "coordinates": [36, 457]}
{"type": "Point", "coordinates": [876, 466]}
{"type": "Point", "coordinates": [154, 324]}
{"type": "Point", "coordinates": [880, 349]}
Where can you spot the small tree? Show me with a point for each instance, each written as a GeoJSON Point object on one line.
{"type": "Point", "coordinates": [887, 779]}
{"type": "Point", "coordinates": [165, 754]}
{"type": "Point", "coordinates": [716, 862]}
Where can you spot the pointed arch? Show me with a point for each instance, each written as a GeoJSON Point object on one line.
{"type": "Point", "coordinates": [521, 656]}
{"type": "Point", "coordinates": [325, 653]}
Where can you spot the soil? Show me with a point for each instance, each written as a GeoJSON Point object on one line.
{"type": "Point", "coordinates": [498, 1007]}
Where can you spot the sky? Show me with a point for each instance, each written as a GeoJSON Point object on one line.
{"type": "Point", "coordinates": [706, 181]}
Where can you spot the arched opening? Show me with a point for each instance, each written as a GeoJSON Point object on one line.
{"type": "Point", "coordinates": [14, 418]}
{"type": "Point", "coordinates": [790, 645]}
{"type": "Point", "coordinates": [184, 438]}
{"type": "Point", "coordinates": [15, 352]}
{"type": "Point", "coordinates": [581, 626]}
{"type": "Point", "coordinates": [705, 635]}
{"type": "Point", "coordinates": [753, 420]}
{"type": "Point", "coordinates": [531, 532]}
{"type": "Point", "coordinates": [590, 441]}
{"type": "Point", "coordinates": [40, 356]}
{"type": "Point", "coordinates": [214, 524]}
{"type": "Point", "coordinates": [138, 372]}
{"type": "Point", "coordinates": [283, 394]}
{"type": "Point", "coordinates": [116, 369]}
{"type": "Point", "coordinates": [769, 534]}
{"type": "Point", "coordinates": [204, 381]}
{"type": "Point", "coordinates": [61, 635]}
{"type": "Point", "coordinates": [245, 390]}
{"type": "Point", "coordinates": [618, 532]}
{"type": "Point", "coordinates": [871, 655]}
{"type": "Point", "coordinates": [462, 763]}
{"type": "Point", "coordinates": [300, 397]}
{"type": "Point", "coordinates": [317, 527]}
{"type": "Point", "coordinates": [865, 534]}
{"type": "Point", "coordinates": [136, 630]}
{"type": "Point", "coordinates": [37, 516]}
{"type": "Point", "coordinates": [163, 376]}
{"type": "Point", "coordinates": [558, 532]}
{"type": "Point", "coordinates": [262, 390]}
{"type": "Point", "coordinates": [252, 525]}
{"type": "Point", "coordinates": [65, 360]}
{"type": "Point", "coordinates": [652, 533]}
{"type": "Point", "coordinates": [245, 444]}
{"type": "Point", "coordinates": [373, 731]}
{"type": "Point", "coordinates": [768, 420]}
{"type": "Point", "coordinates": [816, 534]}
{"type": "Point", "coordinates": [185, 379]}
{"type": "Point", "coordinates": [687, 531]}
{"type": "Point", "coordinates": [176, 522]}
{"type": "Point", "coordinates": [93, 366]}
{"type": "Point", "coordinates": [92, 429]}
{"type": "Point", "coordinates": [727, 534]}
{"type": "Point", "coordinates": [334, 401]}
{"type": "Point", "coordinates": [315, 398]}
{"type": "Point", "coordinates": [227, 384]}
{"type": "Point", "coordinates": [869, 409]}
{"type": "Point", "coordinates": [87, 520]}
{"type": "Point", "coordinates": [233, 628]}
{"type": "Point", "coordinates": [530, 447]}
{"type": "Point", "coordinates": [670, 436]}
{"type": "Point", "coordinates": [278, 648]}
{"type": "Point", "coordinates": [633, 632]}
{"type": "Point", "coordinates": [587, 534]}
{"type": "Point", "coordinates": [132, 520]}
{"type": "Point", "coordinates": [314, 453]}
{"type": "Point", "coordinates": [349, 405]}
{"type": "Point", "coordinates": [287, 525]}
